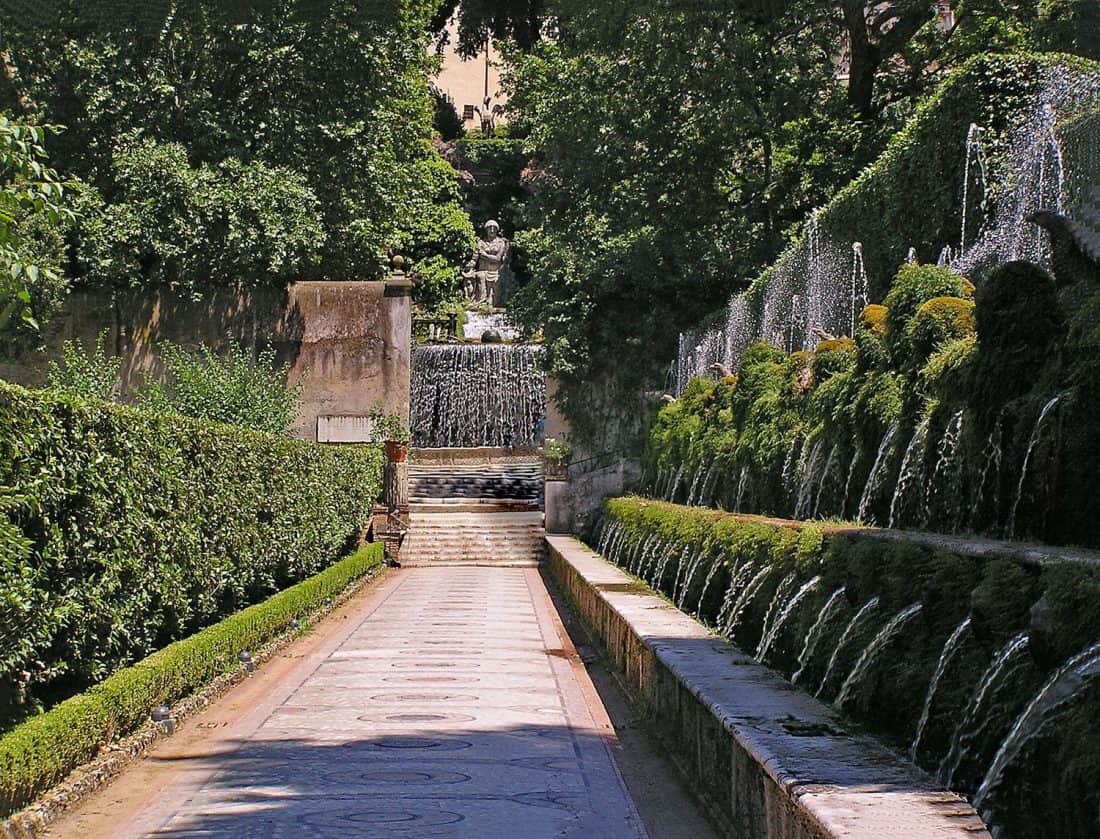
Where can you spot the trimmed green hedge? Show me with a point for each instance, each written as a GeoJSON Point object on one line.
{"type": "Point", "coordinates": [762, 571]}
{"type": "Point", "coordinates": [123, 530]}
{"type": "Point", "coordinates": [43, 750]}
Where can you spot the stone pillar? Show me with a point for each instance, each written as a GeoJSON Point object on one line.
{"type": "Point", "coordinates": [558, 515]}
{"type": "Point", "coordinates": [396, 488]}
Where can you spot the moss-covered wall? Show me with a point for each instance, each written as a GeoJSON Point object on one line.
{"type": "Point", "coordinates": [953, 410]}
{"type": "Point", "coordinates": [744, 575]}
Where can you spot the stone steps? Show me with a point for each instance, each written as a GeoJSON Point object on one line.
{"type": "Point", "coordinates": [507, 539]}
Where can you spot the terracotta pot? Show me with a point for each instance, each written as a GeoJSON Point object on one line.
{"type": "Point", "coordinates": [396, 452]}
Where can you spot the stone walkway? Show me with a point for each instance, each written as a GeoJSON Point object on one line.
{"type": "Point", "coordinates": [450, 705]}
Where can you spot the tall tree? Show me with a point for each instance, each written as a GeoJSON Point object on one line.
{"type": "Point", "coordinates": [330, 97]}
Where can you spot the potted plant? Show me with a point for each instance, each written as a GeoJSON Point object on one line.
{"type": "Point", "coordinates": [394, 433]}
{"type": "Point", "coordinates": [556, 455]}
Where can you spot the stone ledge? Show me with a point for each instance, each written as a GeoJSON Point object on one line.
{"type": "Point", "coordinates": [769, 760]}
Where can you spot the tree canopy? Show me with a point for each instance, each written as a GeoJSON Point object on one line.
{"type": "Point", "coordinates": [241, 142]}
{"type": "Point", "coordinates": [679, 147]}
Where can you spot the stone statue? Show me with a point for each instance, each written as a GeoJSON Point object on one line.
{"type": "Point", "coordinates": [1074, 244]}
{"type": "Point", "coordinates": [482, 272]}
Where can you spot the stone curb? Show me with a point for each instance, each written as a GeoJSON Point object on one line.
{"type": "Point", "coordinates": [768, 759]}
{"type": "Point", "coordinates": [82, 782]}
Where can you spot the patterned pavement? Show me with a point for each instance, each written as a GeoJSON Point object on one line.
{"type": "Point", "coordinates": [451, 704]}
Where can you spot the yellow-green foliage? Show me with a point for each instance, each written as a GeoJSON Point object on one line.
{"type": "Point", "coordinates": [42, 751]}
{"type": "Point", "coordinates": [873, 318]}
{"type": "Point", "coordinates": [834, 356]}
{"type": "Point", "coordinates": [948, 373]}
{"type": "Point", "coordinates": [914, 286]}
{"type": "Point", "coordinates": [938, 321]}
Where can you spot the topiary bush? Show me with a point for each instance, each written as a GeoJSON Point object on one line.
{"type": "Point", "coordinates": [123, 530]}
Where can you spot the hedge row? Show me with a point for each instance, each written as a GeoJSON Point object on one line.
{"type": "Point", "coordinates": [794, 583]}
{"type": "Point", "coordinates": [122, 531]}
{"type": "Point", "coordinates": [43, 750]}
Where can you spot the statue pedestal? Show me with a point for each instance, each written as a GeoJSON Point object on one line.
{"type": "Point", "coordinates": [559, 514]}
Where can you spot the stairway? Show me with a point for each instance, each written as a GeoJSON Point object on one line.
{"type": "Point", "coordinates": [508, 539]}
{"type": "Point", "coordinates": [474, 507]}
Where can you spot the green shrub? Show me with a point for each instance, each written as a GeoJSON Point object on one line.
{"type": "Point", "coordinates": [832, 357]}
{"type": "Point", "coordinates": [127, 530]}
{"type": "Point", "coordinates": [938, 321]}
{"type": "Point", "coordinates": [949, 373]}
{"type": "Point", "coordinates": [233, 388]}
{"type": "Point", "coordinates": [914, 286]}
{"type": "Point", "coordinates": [163, 221]}
{"type": "Point", "coordinates": [84, 374]}
{"type": "Point", "coordinates": [43, 750]}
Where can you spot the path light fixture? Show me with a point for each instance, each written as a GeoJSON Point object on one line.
{"type": "Point", "coordinates": [246, 661]}
{"type": "Point", "coordinates": [328, 602]}
{"type": "Point", "coordinates": [294, 623]}
{"type": "Point", "coordinates": [162, 716]}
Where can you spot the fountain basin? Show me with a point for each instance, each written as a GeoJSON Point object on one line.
{"type": "Point", "coordinates": [767, 759]}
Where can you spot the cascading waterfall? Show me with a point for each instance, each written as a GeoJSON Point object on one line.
{"type": "Point", "coordinates": [833, 606]}
{"type": "Point", "coordinates": [946, 654]}
{"type": "Point", "coordinates": [1004, 663]}
{"type": "Point", "coordinates": [848, 483]}
{"type": "Point", "coordinates": [711, 574]}
{"type": "Point", "coordinates": [469, 395]}
{"type": "Point", "coordinates": [994, 455]}
{"type": "Point", "coordinates": [872, 651]}
{"type": "Point", "coordinates": [738, 576]}
{"type": "Point", "coordinates": [670, 495]}
{"type": "Point", "coordinates": [946, 471]}
{"type": "Point", "coordinates": [743, 600]}
{"type": "Point", "coordinates": [1036, 437]}
{"type": "Point", "coordinates": [805, 488]}
{"type": "Point", "coordinates": [785, 613]}
{"type": "Point", "coordinates": [1056, 693]}
{"type": "Point", "coordinates": [911, 469]}
{"type": "Point", "coordinates": [707, 492]}
{"type": "Point", "coordinates": [976, 166]}
{"type": "Point", "coordinates": [825, 272]}
{"type": "Point", "coordinates": [874, 480]}
{"type": "Point", "coordinates": [830, 464]}
{"type": "Point", "coordinates": [781, 592]}
{"type": "Point", "coordinates": [696, 563]}
{"type": "Point", "coordinates": [691, 502]}
{"type": "Point", "coordinates": [790, 461]}
{"type": "Point", "coordinates": [742, 483]}
{"type": "Point", "coordinates": [853, 625]}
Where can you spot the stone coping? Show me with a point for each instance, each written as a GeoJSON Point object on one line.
{"type": "Point", "coordinates": [485, 456]}
{"type": "Point", "coordinates": [787, 765]}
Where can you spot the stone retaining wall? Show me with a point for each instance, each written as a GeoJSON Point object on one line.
{"type": "Point", "coordinates": [769, 760]}
{"type": "Point", "coordinates": [348, 344]}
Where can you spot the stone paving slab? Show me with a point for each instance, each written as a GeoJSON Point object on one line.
{"type": "Point", "coordinates": [451, 705]}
